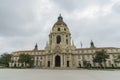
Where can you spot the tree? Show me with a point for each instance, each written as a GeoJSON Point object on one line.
{"type": "Point", "coordinates": [5, 59]}
{"type": "Point", "coordinates": [117, 59]}
{"type": "Point", "coordinates": [26, 59]}
{"type": "Point", "coordinates": [86, 64]}
{"type": "Point", "coordinates": [100, 57]}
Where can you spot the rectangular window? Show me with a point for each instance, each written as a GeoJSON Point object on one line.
{"type": "Point", "coordinates": [66, 41]}
{"type": "Point", "coordinates": [48, 63]}
{"type": "Point", "coordinates": [68, 64]}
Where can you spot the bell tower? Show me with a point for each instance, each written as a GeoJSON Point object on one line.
{"type": "Point", "coordinates": [60, 36]}
{"type": "Point", "coordinates": [60, 46]}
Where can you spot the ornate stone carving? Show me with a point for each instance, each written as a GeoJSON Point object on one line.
{"type": "Point", "coordinates": [57, 49]}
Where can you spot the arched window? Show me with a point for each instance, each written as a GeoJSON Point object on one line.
{"type": "Point", "coordinates": [58, 39]}
{"type": "Point", "coordinates": [64, 29]}
{"type": "Point", "coordinates": [66, 41]}
{"type": "Point", "coordinates": [58, 29]}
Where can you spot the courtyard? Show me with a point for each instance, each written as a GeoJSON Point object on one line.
{"type": "Point", "coordinates": [50, 74]}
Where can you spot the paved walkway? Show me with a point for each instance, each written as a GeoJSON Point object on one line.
{"type": "Point", "coordinates": [44, 74]}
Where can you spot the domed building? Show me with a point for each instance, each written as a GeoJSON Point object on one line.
{"type": "Point", "coordinates": [60, 51]}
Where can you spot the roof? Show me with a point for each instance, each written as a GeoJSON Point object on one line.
{"type": "Point", "coordinates": [97, 48]}
{"type": "Point", "coordinates": [60, 21]}
{"type": "Point", "coordinates": [30, 51]}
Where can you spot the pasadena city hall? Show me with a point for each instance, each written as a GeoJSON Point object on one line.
{"type": "Point", "coordinates": [60, 51]}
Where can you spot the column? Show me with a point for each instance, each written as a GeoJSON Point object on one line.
{"type": "Point", "coordinates": [61, 61]}
{"type": "Point", "coordinates": [46, 60]}
{"type": "Point", "coordinates": [34, 61]}
{"type": "Point", "coordinates": [53, 65]}
{"type": "Point", "coordinates": [70, 61]}
{"type": "Point", "coordinates": [64, 61]}
{"type": "Point", "coordinates": [38, 61]}
{"type": "Point", "coordinates": [43, 61]}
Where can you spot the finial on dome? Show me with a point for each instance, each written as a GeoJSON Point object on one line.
{"type": "Point", "coordinates": [36, 47]}
{"type": "Point", "coordinates": [92, 44]}
{"type": "Point", "coordinates": [60, 14]}
{"type": "Point", "coordinates": [60, 18]}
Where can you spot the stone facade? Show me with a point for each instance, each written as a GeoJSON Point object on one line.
{"type": "Point", "coordinates": [60, 51]}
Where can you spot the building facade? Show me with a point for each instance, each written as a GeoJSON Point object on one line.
{"type": "Point", "coordinates": [60, 51]}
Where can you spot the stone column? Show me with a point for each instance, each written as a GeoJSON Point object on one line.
{"type": "Point", "coordinates": [53, 61]}
{"type": "Point", "coordinates": [38, 61]}
{"type": "Point", "coordinates": [73, 61]}
{"type": "Point", "coordinates": [46, 60]}
{"type": "Point", "coordinates": [70, 61]}
{"type": "Point", "coordinates": [91, 60]}
{"type": "Point", "coordinates": [64, 60]}
{"type": "Point", "coordinates": [43, 61]}
{"type": "Point", "coordinates": [61, 61]}
{"type": "Point", "coordinates": [35, 61]}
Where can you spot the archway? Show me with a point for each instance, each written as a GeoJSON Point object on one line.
{"type": "Point", "coordinates": [57, 61]}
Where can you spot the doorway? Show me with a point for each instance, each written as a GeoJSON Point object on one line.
{"type": "Point", "coordinates": [57, 61]}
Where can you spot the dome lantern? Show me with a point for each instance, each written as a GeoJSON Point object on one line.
{"type": "Point", "coordinates": [60, 18]}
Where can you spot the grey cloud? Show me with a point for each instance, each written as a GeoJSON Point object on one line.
{"type": "Point", "coordinates": [72, 5]}
{"type": "Point", "coordinates": [103, 30]}
{"type": "Point", "coordinates": [15, 17]}
{"type": "Point", "coordinates": [116, 8]}
{"type": "Point", "coordinates": [25, 22]}
{"type": "Point", "coordinates": [67, 4]}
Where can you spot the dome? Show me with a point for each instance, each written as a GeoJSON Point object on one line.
{"type": "Point", "coordinates": [60, 21]}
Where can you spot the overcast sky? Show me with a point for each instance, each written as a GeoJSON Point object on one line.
{"type": "Point", "coordinates": [23, 23]}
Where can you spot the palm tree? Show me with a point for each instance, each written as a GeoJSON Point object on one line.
{"type": "Point", "coordinates": [100, 57]}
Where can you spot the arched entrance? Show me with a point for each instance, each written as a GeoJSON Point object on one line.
{"type": "Point", "coordinates": [57, 61]}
